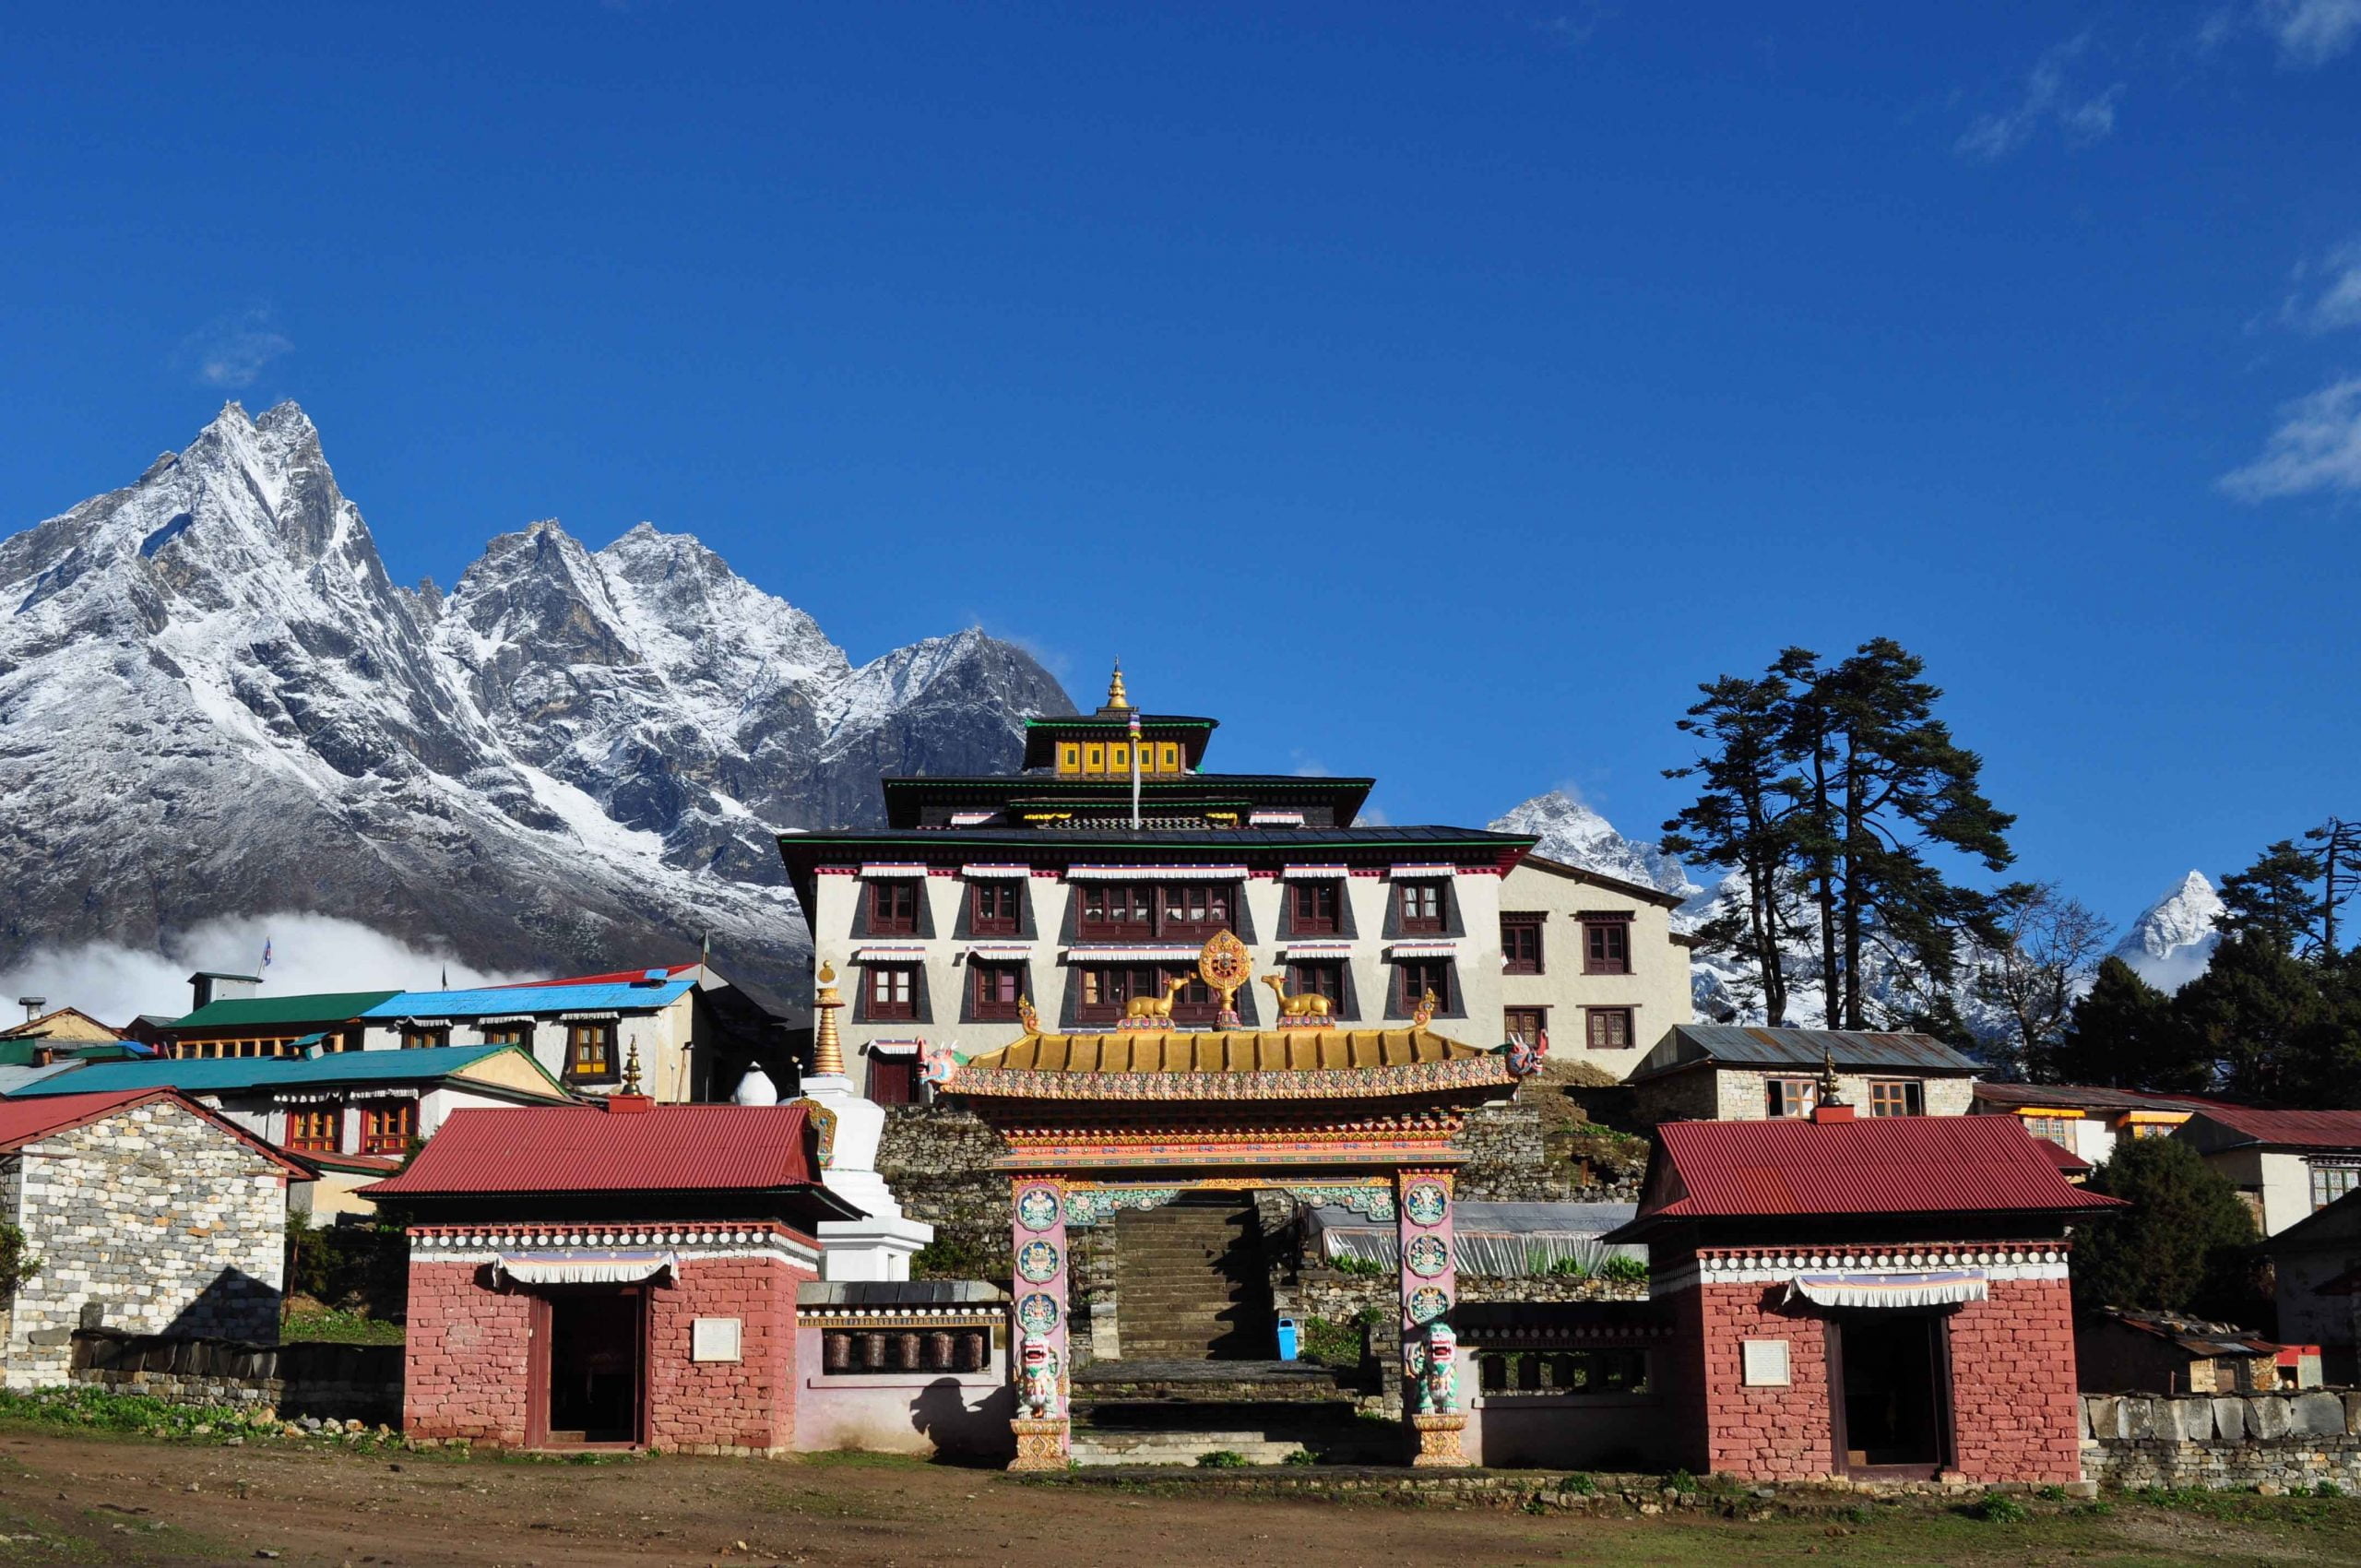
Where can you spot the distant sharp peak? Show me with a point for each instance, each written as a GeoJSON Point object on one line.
{"type": "Point", "coordinates": [1570, 830]}
{"type": "Point", "coordinates": [2173, 940]}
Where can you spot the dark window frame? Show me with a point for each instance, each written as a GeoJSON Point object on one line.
{"type": "Point", "coordinates": [1422, 890]}
{"type": "Point", "coordinates": [1315, 923]}
{"type": "Point", "coordinates": [994, 1009]}
{"type": "Point", "coordinates": [1511, 1017]}
{"type": "Point", "coordinates": [1606, 946]}
{"type": "Point", "coordinates": [902, 1010]}
{"type": "Point", "coordinates": [1434, 974]}
{"type": "Point", "coordinates": [1594, 1016]}
{"type": "Point", "coordinates": [996, 891]}
{"type": "Point", "coordinates": [882, 904]}
{"type": "Point", "coordinates": [1528, 927]}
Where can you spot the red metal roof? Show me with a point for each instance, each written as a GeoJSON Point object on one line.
{"type": "Point", "coordinates": [1873, 1164]}
{"type": "Point", "coordinates": [587, 1148]}
{"type": "Point", "coordinates": [2066, 1159]}
{"type": "Point", "coordinates": [2297, 1128]}
{"type": "Point", "coordinates": [29, 1120]}
{"type": "Point", "coordinates": [615, 977]}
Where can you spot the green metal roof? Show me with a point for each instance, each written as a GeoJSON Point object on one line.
{"type": "Point", "coordinates": [214, 1074]}
{"type": "Point", "coordinates": [321, 1008]}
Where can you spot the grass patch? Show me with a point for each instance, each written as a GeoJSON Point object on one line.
{"type": "Point", "coordinates": [860, 1457]}
{"type": "Point", "coordinates": [335, 1325]}
{"type": "Point", "coordinates": [1221, 1459]}
{"type": "Point", "coordinates": [98, 1409]}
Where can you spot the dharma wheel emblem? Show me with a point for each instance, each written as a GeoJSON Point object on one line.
{"type": "Point", "coordinates": [1224, 964]}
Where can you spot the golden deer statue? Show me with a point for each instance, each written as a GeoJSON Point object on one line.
{"type": "Point", "coordinates": [1310, 1004]}
{"type": "Point", "coordinates": [1157, 1006]}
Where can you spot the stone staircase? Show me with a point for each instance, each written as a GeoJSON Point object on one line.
{"type": "Point", "coordinates": [1190, 1283]}
{"type": "Point", "coordinates": [1171, 1412]}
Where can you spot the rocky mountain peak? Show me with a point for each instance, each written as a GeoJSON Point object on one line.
{"type": "Point", "coordinates": [2173, 940]}
{"type": "Point", "coordinates": [1571, 832]}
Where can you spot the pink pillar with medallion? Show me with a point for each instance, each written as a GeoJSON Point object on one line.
{"type": "Point", "coordinates": [1429, 1292]}
{"type": "Point", "coordinates": [1038, 1234]}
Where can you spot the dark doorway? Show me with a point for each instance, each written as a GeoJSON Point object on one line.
{"type": "Point", "coordinates": [595, 1342]}
{"type": "Point", "coordinates": [1892, 1369]}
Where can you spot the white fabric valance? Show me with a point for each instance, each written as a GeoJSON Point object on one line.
{"type": "Point", "coordinates": [1853, 1287]}
{"type": "Point", "coordinates": [910, 955]}
{"type": "Point", "coordinates": [1155, 874]}
{"type": "Point", "coordinates": [1169, 953]}
{"type": "Point", "coordinates": [973, 872]}
{"type": "Point", "coordinates": [1311, 873]}
{"type": "Point", "coordinates": [896, 1046]}
{"type": "Point", "coordinates": [894, 869]}
{"type": "Point", "coordinates": [1423, 950]}
{"type": "Point", "coordinates": [1274, 819]}
{"type": "Point", "coordinates": [1420, 870]}
{"type": "Point", "coordinates": [578, 1267]}
{"type": "Point", "coordinates": [1319, 949]}
{"type": "Point", "coordinates": [588, 1017]}
{"type": "Point", "coordinates": [1000, 950]}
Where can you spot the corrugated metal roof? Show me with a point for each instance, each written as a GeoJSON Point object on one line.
{"type": "Point", "coordinates": [613, 977]}
{"type": "Point", "coordinates": [30, 1119]}
{"type": "Point", "coordinates": [219, 1075]}
{"type": "Point", "coordinates": [13, 1078]}
{"type": "Point", "coordinates": [588, 1148]}
{"type": "Point", "coordinates": [2230, 1126]}
{"type": "Point", "coordinates": [1868, 1166]}
{"type": "Point", "coordinates": [1741, 1045]}
{"type": "Point", "coordinates": [318, 1007]}
{"type": "Point", "coordinates": [2087, 1097]}
{"type": "Point", "coordinates": [498, 1000]}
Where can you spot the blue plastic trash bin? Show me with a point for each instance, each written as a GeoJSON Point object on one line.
{"type": "Point", "coordinates": [1286, 1339]}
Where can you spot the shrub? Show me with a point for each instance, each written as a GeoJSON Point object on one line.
{"type": "Point", "coordinates": [2328, 1489]}
{"type": "Point", "coordinates": [16, 1266]}
{"type": "Point", "coordinates": [1681, 1481]}
{"type": "Point", "coordinates": [1334, 1344]}
{"type": "Point", "coordinates": [1624, 1270]}
{"type": "Point", "coordinates": [2180, 1246]}
{"type": "Point", "coordinates": [1998, 1508]}
{"type": "Point", "coordinates": [1366, 1267]}
{"type": "Point", "coordinates": [2051, 1494]}
{"type": "Point", "coordinates": [1578, 1483]}
{"type": "Point", "coordinates": [1222, 1459]}
{"type": "Point", "coordinates": [1301, 1456]}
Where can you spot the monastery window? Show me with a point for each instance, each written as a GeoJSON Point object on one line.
{"type": "Point", "coordinates": [2057, 1129]}
{"type": "Point", "coordinates": [2149, 1130]}
{"type": "Point", "coordinates": [1419, 906]}
{"type": "Point", "coordinates": [2331, 1183]}
{"type": "Point", "coordinates": [994, 908]}
{"type": "Point", "coordinates": [590, 1053]}
{"type": "Point", "coordinates": [1116, 910]}
{"type": "Point", "coordinates": [1418, 975]}
{"type": "Point", "coordinates": [1606, 946]}
{"type": "Point", "coordinates": [1790, 1096]}
{"type": "Point", "coordinates": [315, 1129]}
{"type": "Point", "coordinates": [1167, 757]}
{"type": "Point", "coordinates": [1193, 909]}
{"type": "Point", "coordinates": [892, 991]}
{"type": "Point", "coordinates": [508, 1034]}
{"type": "Point", "coordinates": [1524, 1025]}
{"type": "Point", "coordinates": [1094, 759]}
{"type": "Point", "coordinates": [1108, 989]}
{"type": "Point", "coordinates": [1897, 1096]}
{"type": "Point", "coordinates": [1319, 977]}
{"type": "Point", "coordinates": [389, 1126]}
{"type": "Point", "coordinates": [1118, 757]}
{"type": "Point", "coordinates": [893, 906]}
{"type": "Point", "coordinates": [1520, 945]}
{"type": "Point", "coordinates": [1314, 908]}
{"type": "Point", "coordinates": [1068, 757]}
{"type": "Point", "coordinates": [995, 989]}
{"type": "Point", "coordinates": [421, 1037]}
{"type": "Point", "coordinates": [1608, 1028]}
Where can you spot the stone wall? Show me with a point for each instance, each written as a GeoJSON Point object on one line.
{"type": "Point", "coordinates": [153, 1221]}
{"type": "Point", "coordinates": [1506, 1159]}
{"type": "Point", "coordinates": [937, 1161]}
{"type": "Point", "coordinates": [352, 1382]}
{"type": "Point", "coordinates": [2274, 1442]}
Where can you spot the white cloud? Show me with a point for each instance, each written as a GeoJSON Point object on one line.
{"type": "Point", "coordinates": [232, 350]}
{"type": "Point", "coordinates": [115, 983]}
{"type": "Point", "coordinates": [1575, 27]}
{"type": "Point", "coordinates": [2049, 98]}
{"type": "Point", "coordinates": [2311, 33]}
{"type": "Point", "coordinates": [2328, 296]}
{"type": "Point", "coordinates": [2317, 447]}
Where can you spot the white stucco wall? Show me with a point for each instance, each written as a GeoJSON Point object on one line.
{"type": "Point", "coordinates": [1657, 989]}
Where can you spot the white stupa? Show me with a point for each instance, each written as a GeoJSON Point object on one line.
{"type": "Point", "coordinates": [879, 1245]}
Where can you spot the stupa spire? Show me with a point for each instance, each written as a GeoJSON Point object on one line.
{"type": "Point", "coordinates": [827, 1049]}
{"type": "Point", "coordinates": [1116, 700]}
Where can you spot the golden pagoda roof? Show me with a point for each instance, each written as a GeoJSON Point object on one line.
{"type": "Point", "coordinates": [1230, 1064]}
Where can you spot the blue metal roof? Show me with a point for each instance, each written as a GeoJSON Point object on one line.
{"type": "Point", "coordinates": [217, 1075]}
{"type": "Point", "coordinates": [492, 1002]}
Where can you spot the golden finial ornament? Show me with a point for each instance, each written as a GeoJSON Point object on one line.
{"type": "Point", "coordinates": [1115, 697]}
{"type": "Point", "coordinates": [827, 1049]}
{"type": "Point", "coordinates": [631, 1069]}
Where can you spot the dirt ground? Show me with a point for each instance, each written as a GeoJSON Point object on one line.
{"type": "Point", "coordinates": [77, 1499]}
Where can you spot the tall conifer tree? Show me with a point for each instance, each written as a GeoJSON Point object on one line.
{"type": "Point", "coordinates": [1740, 821]}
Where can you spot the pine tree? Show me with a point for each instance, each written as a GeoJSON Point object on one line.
{"type": "Point", "coordinates": [1739, 821]}
{"type": "Point", "coordinates": [2122, 1034]}
{"type": "Point", "coordinates": [2180, 1246]}
{"type": "Point", "coordinates": [2273, 899]}
{"type": "Point", "coordinates": [2340, 861]}
{"type": "Point", "coordinates": [2263, 1014]}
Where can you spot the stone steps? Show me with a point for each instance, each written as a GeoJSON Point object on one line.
{"type": "Point", "coordinates": [1096, 1448]}
{"type": "Point", "coordinates": [1190, 1281]}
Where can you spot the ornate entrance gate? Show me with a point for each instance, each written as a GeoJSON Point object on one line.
{"type": "Point", "coordinates": [1099, 1125]}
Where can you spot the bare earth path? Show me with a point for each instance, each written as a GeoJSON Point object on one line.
{"type": "Point", "coordinates": [71, 1498]}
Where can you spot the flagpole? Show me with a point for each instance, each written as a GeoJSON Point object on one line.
{"type": "Point", "coordinates": [1135, 770]}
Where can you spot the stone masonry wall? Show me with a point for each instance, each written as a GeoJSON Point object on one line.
{"type": "Point", "coordinates": [2272, 1441]}
{"type": "Point", "coordinates": [155, 1221]}
{"type": "Point", "coordinates": [937, 1161]}
{"type": "Point", "coordinates": [360, 1382]}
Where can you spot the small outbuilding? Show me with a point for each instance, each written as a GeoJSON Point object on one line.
{"type": "Point", "coordinates": [1873, 1299]}
{"type": "Point", "coordinates": [2118, 1351]}
{"type": "Point", "coordinates": [2287, 1165]}
{"type": "Point", "coordinates": [614, 1275]}
{"type": "Point", "coordinates": [1739, 1073]}
{"type": "Point", "coordinates": [2315, 1272]}
{"type": "Point", "coordinates": [146, 1212]}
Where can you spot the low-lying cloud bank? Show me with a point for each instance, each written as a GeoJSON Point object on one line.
{"type": "Point", "coordinates": [115, 983]}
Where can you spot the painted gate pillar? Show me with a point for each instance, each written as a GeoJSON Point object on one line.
{"type": "Point", "coordinates": [1429, 1292]}
{"type": "Point", "coordinates": [1038, 1232]}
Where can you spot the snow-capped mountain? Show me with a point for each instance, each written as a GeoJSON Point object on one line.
{"type": "Point", "coordinates": [1571, 832]}
{"type": "Point", "coordinates": [2174, 941]}
{"type": "Point", "coordinates": [214, 701]}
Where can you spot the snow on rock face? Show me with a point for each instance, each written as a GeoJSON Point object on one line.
{"type": "Point", "coordinates": [213, 701]}
{"type": "Point", "coordinates": [2172, 943]}
{"type": "Point", "coordinates": [1571, 832]}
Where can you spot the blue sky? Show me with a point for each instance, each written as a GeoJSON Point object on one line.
{"type": "Point", "coordinates": [1439, 392]}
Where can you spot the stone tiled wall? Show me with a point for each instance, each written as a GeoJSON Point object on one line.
{"type": "Point", "coordinates": [2277, 1442]}
{"type": "Point", "coordinates": [743, 1406]}
{"type": "Point", "coordinates": [315, 1378]}
{"type": "Point", "coordinates": [467, 1358]}
{"type": "Point", "coordinates": [2012, 1380]}
{"type": "Point", "coordinates": [158, 1220]}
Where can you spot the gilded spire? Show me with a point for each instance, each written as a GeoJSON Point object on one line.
{"type": "Point", "coordinates": [1115, 697]}
{"type": "Point", "coordinates": [631, 1070]}
{"type": "Point", "coordinates": [827, 1050]}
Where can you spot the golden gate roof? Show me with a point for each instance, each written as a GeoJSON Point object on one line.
{"type": "Point", "coordinates": [1230, 1065]}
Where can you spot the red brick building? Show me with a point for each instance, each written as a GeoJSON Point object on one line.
{"type": "Point", "coordinates": [614, 1275]}
{"type": "Point", "coordinates": [1878, 1299]}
